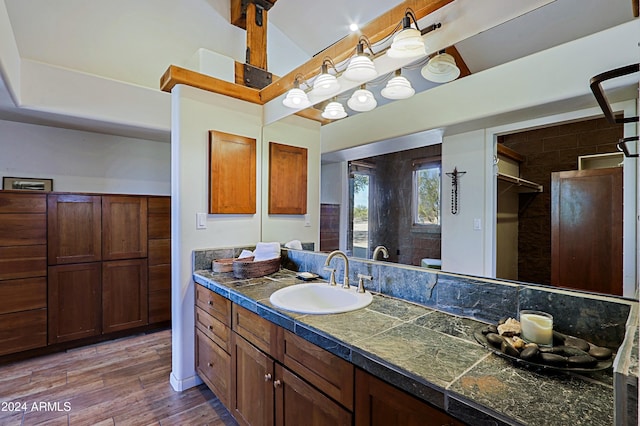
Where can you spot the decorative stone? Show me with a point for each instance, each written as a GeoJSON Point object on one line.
{"type": "Point", "coordinates": [584, 361]}
{"type": "Point", "coordinates": [553, 359]}
{"type": "Point", "coordinates": [577, 343]}
{"type": "Point", "coordinates": [495, 339]}
{"type": "Point", "coordinates": [507, 348]}
{"type": "Point", "coordinates": [569, 351]}
{"type": "Point", "coordinates": [509, 328]}
{"type": "Point", "coordinates": [530, 352]}
{"type": "Point", "coordinates": [490, 329]}
{"type": "Point", "coordinates": [599, 352]}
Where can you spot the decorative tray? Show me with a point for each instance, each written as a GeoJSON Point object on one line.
{"type": "Point", "coordinates": [600, 365]}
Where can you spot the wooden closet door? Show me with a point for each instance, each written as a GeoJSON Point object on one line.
{"type": "Point", "coordinates": [74, 225]}
{"type": "Point", "coordinates": [124, 227]}
{"type": "Point", "coordinates": [586, 230]}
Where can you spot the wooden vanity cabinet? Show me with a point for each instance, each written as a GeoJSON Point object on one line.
{"type": "Point", "coordinates": [23, 271]}
{"type": "Point", "coordinates": [213, 342]}
{"type": "Point", "coordinates": [380, 404]}
{"type": "Point", "coordinates": [265, 391]}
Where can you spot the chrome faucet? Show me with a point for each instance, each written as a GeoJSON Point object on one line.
{"type": "Point", "coordinates": [345, 282]}
{"type": "Point", "coordinates": [380, 249]}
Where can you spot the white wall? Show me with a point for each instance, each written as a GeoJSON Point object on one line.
{"type": "Point", "coordinates": [194, 113]}
{"type": "Point", "coordinates": [81, 161]}
{"type": "Point", "coordinates": [300, 132]}
{"type": "Point", "coordinates": [463, 247]}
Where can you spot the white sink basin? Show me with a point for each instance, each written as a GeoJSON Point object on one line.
{"type": "Point", "coordinates": [319, 298]}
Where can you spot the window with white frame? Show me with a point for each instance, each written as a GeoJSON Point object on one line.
{"type": "Point", "coordinates": [426, 192]}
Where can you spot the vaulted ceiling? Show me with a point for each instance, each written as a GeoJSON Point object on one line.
{"type": "Point", "coordinates": [136, 41]}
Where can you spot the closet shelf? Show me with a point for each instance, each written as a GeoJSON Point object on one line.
{"type": "Point", "coordinates": [523, 184]}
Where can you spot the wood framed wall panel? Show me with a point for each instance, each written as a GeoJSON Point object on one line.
{"type": "Point", "coordinates": [232, 174]}
{"type": "Point", "coordinates": [287, 179]}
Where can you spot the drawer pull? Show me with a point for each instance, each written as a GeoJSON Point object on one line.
{"type": "Point", "coordinates": [209, 328]}
{"type": "Point", "coordinates": [277, 384]}
{"type": "Point", "coordinates": [210, 303]}
{"type": "Point", "coordinates": [267, 377]}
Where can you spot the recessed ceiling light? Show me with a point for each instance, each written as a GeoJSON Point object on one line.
{"type": "Point", "coordinates": [353, 28]}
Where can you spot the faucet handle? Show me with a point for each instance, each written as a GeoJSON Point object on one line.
{"type": "Point", "coordinates": [361, 278]}
{"type": "Point", "coordinates": [332, 277]}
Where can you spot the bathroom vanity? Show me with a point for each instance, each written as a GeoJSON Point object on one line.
{"type": "Point", "coordinates": [397, 357]}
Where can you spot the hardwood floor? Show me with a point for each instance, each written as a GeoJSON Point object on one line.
{"type": "Point", "coordinates": [122, 382]}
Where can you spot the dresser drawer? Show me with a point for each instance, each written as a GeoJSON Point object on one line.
{"type": "Point", "coordinates": [20, 331]}
{"type": "Point", "coordinates": [11, 202]}
{"type": "Point", "coordinates": [23, 295]}
{"type": "Point", "coordinates": [331, 374]}
{"type": "Point", "coordinates": [213, 329]}
{"type": "Point", "coordinates": [260, 332]}
{"type": "Point", "coordinates": [23, 262]}
{"type": "Point", "coordinates": [21, 229]}
{"type": "Point", "coordinates": [214, 367]}
{"type": "Point", "coordinates": [214, 304]}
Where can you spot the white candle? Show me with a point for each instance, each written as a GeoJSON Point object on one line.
{"type": "Point", "coordinates": [537, 327]}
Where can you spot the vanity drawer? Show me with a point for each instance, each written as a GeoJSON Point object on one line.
{"type": "Point", "coordinates": [213, 329]}
{"type": "Point", "coordinates": [262, 333]}
{"type": "Point", "coordinates": [214, 304]}
{"type": "Point", "coordinates": [331, 374]}
{"type": "Point", "coordinates": [214, 366]}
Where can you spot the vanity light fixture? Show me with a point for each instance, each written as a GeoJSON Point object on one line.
{"type": "Point", "coordinates": [362, 100]}
{"type": "Point", "coordinates": [407, 43]}
{"type": "Point", "coordinates": [334, 110]}
{"type": "Point", "coordinates": [296, 97]}
{"type": "Point", "coordinates": [441, 68]}
{"type": "Point", "coordinates": [398, 88]}
{"type": "Point", "coordinates": [361, 67]}
{"type": "Point", "coordinates": [326, 84]}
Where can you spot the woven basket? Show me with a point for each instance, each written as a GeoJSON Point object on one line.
{"type": "Point", "coordinates": [225, 265]}
{"type": "Point", "coordinates": [247, 268]}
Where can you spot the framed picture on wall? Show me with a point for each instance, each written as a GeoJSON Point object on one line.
{"type": "Point", "coordinates": [27, 184]}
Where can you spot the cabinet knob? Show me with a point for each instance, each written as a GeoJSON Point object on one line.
{"type": "Point", "coordinates": [209, 364]}
{"type": "Point", "coordinates": [277, 384]}
{"type": "Point", "coordinates": [210, 303]}
{"type": "Point", "coordinates": [209, 327]}
{"type": "Point", "coordinates": [267, 377]}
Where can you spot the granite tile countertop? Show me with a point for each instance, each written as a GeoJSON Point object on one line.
{"type": "Point", "coordinates": [434, 356]}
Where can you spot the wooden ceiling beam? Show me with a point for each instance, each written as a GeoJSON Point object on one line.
{"type": "Point", "coordinates": [375, 31]}
{"type": "Point", "coordinates": [636, 8]}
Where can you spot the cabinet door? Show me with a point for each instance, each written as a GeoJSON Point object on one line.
{"type": "Point", "coordinates": [214, 367]}
{"type": "Point", "coordinates": [74, 227]}
{"type": "Point", "coordinates": [124, 227]}
{"type": "Point", "coordinates": [124, 294]}
{"type": "Point", "coordinates": [73, 301]}
{"type": "Point", "coordinates": [298, 403]}
{"type": "Point", "coordinates": [252, 375]}
{"type": "Point", "coordinates": [380, 404]}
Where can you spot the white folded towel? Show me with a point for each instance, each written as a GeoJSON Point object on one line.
{"type": "Point", "coordinates": [294, 244]}
{"type": "Point", "coordinates": [245, 253]}
{"type": "Point", "coordinates": [266, 251]}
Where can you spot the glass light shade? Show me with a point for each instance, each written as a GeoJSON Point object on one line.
{"type": "Point", "coordinates": [326, 84]}
{"type": "Point", "coordinates": [362, 100]}
{"type": "Point", "coordinates": [333, 111]}
{"type": "Point", "coordinates": [361, 68]}
{"type": "Point", "coordinates": [398, 88]}
{"type": "Point", "coordinates": [441, 68]}
{"type": "Point", "coordinates": [407, 44]}
{"type": "Point", "coordinates": [296, 98]}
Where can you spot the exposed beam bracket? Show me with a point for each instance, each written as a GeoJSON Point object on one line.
{"type": "Point", "coordinates": [261, 5]}
{"type": "Point", "coordinates": [255, 77]}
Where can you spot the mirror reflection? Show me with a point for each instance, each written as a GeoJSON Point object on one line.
{"type": "Point", "coordinates": [552, 184]}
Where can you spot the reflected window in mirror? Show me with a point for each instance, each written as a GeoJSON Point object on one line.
{"type": "Point", "coordinates": [361, 181]}
{"type": "Point", "coordinates": [426, 192]}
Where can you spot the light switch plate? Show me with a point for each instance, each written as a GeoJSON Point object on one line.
{"type": "Point", "coordinates": [201, 221]}
{"type": "Point", "coordinates": [307, 220]}
{"type": "Point", "coordinates": [477, 224]}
